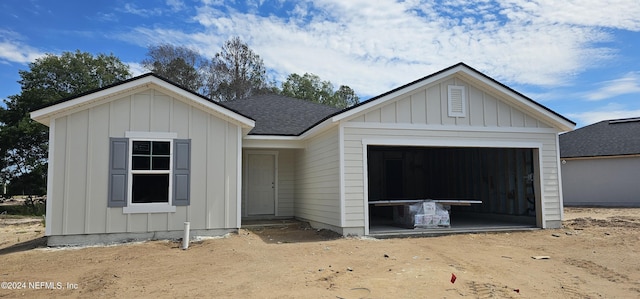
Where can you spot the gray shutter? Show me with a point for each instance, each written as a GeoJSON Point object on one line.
{"type": "Point", "coordinates": [118, 172]}
{"type": "Point", "coordinates": [181, 171]}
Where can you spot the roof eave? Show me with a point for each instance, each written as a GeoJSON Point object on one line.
{"type": "Point", "coordinates": [45, 114]}
{"type": "Point", "coordinates": [560, 122]}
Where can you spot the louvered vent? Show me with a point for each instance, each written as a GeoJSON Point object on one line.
{"type": "Point", "coordinates": [457, 101]}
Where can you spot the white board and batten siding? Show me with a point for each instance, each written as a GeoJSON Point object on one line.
{"type": "Point", "coordinates": [421, 118]}
{"type": "Point", "coordinates": [80, 166]}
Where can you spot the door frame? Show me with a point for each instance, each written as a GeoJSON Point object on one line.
{"type": "Point", "coordinates": [245, 179]}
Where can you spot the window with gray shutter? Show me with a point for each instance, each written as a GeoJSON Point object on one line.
{"type": "Point", "coordinates": [181, 172]}
{"type": "Point", "coordinates": [149, 171]}
{"type": "Point", "coordinates": [118, 172]}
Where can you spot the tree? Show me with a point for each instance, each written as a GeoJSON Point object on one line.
{"type": "Point", "coordinates": [24, 142]}
{"type": "Point", "coordinates": [236, 72]}
{"type": "Point", "coordinates": [178, 64]}
{"type": "Point", "coordinates": [311, 88]}
{"type": "Point", "coordinates": [345, 97]}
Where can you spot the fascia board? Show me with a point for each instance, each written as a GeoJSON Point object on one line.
{"type": "Point", "coordinates": [43, 115]}
{"type": "Point", "coordinates": [204, 104]}
{"type": "Point", "coordinates": [408, 89]}
{"type": "Point", "coordinates": [521, 102]}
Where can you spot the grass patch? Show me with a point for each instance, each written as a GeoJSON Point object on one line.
{"type": "Point", "coordinates": [35, 209]}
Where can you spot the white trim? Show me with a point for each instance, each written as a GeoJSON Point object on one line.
{"type": "Point", "coordinates": [320, 128]}
{"type": "Point", "coordinates": [50, 168]}
{"type": "Point", "coordinates": [273, 143]}
{"type": "Point", "coordinates": [156, 207]}
{"type": "Point", "coordinates": [365, 185]}
{"type": "Point", "coordinates": [406, 90]}
{"type": "Point", "coordinates": [148, 82]}
{"type": "Point", "coordinates": [450, 143]}
{"type": "Point", "coordinates": [521, 102]}
{"type": "Point", "coordinates": [559, 166]}
{"type": "Point", "coordinates": [341, 186]}
{"type": "Point", "coordinates": [151, 135]}
{"type": "Point", "coordinates": [538, 111]}
{"type": "Point", "coordinates": [539, 183]}
{"type": "Point", "coordinates": [239, 177]}
{"type": "Point", "coordinates": [425, 127]}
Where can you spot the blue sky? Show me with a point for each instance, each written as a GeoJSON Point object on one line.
{"type": "Point", "coordinates": [580, 58]}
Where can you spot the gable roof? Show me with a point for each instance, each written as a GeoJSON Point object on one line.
{"type": "Point", "coordinates": [148, 80]}
{"type": "Point", "coordinates": [281, 115]}
{"type": "Point", "coordinates": [284, 116]}
{"type": "Point", "coordinates": [474, 76]}
{"type": "Point", "coordinates": [616, 137]}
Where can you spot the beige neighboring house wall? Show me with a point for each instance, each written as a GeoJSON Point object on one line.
{"type": "Point", "coordinates": [601, 181]}
{"type": "Point", "coordinates": [78, 184]}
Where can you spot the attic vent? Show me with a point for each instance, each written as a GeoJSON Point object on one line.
{"type": "Point", "coordinates": [456, 101]}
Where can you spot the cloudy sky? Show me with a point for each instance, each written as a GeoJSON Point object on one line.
{"type": "Point", "coordinates": [580, 58]}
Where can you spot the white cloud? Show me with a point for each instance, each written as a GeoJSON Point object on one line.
{"type": "Point", "coordinates": [619, 14]}
{"type": "Point", "coordinates": [628, 84]}
{"type": "Point", "coordinates": [133, 9]}
{"type": "Point", "coordinates": [175, 5]}
{"type": "Point", "coordinates": [373, 46]}
{"type": "Point", "coordinates": [12, 49]}
{"type": "Point", "coordinates": [136, 68]}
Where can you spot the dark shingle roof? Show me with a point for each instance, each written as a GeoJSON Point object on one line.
{"type": "Point", "coordinates": [606, 138]}
{"type": "Point", "coordinates": [280, 115]}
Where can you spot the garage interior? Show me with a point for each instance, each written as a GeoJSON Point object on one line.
{"type": "Point", "coordinates": [501, 178]}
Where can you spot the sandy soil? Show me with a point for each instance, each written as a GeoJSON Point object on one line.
{"type": "Point", "coordinates": [595, 255]}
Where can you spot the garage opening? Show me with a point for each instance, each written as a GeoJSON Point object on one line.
{"type": "Point", "coordinates": [491, 188]}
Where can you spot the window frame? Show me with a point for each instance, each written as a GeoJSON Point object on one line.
{"type": "Point", "coordinates": [152, 207]}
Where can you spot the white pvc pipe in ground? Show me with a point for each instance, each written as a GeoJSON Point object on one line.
{"type": "Point", "coordinates": [185, 238]}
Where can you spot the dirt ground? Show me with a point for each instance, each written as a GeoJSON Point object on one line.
{"type": "Point", "coordinates": [595, 255]}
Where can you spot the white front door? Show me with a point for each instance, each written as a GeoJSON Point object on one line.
{"type": "Point", "coordinates": [261, 184]}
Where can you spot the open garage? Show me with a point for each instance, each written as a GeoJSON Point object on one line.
{"type": "Point", "coordinates": [480, 186]}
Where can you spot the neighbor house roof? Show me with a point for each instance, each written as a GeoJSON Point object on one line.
{"type": "Point", "coordinates": [280, 115]}
{"type": "Point", "coordinates": [614, 137]}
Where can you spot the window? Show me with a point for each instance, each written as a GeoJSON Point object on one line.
{"type": "Point", "coordinates": [149, 172]}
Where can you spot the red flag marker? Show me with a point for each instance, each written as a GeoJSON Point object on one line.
{"type": "Point", "coordinates": [453, 278]}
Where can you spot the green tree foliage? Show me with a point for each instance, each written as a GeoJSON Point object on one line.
{"type": "Point", "coordinates": [181, 65]}
{"type": "Point", "coordinates": [24, 142]}
{"type": "Point", "coordinates": [236, 72]}
{"type": "Point", "coordinates": [311, 88]}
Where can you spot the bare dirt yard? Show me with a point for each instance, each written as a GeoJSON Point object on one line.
{"type": "Point", "coordinates": [595, 255]}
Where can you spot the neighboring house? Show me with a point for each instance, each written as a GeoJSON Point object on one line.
{"type": "Point", "coordinates": [601, 164]}
{"type": "Point", "coordinates": [137, 159]}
